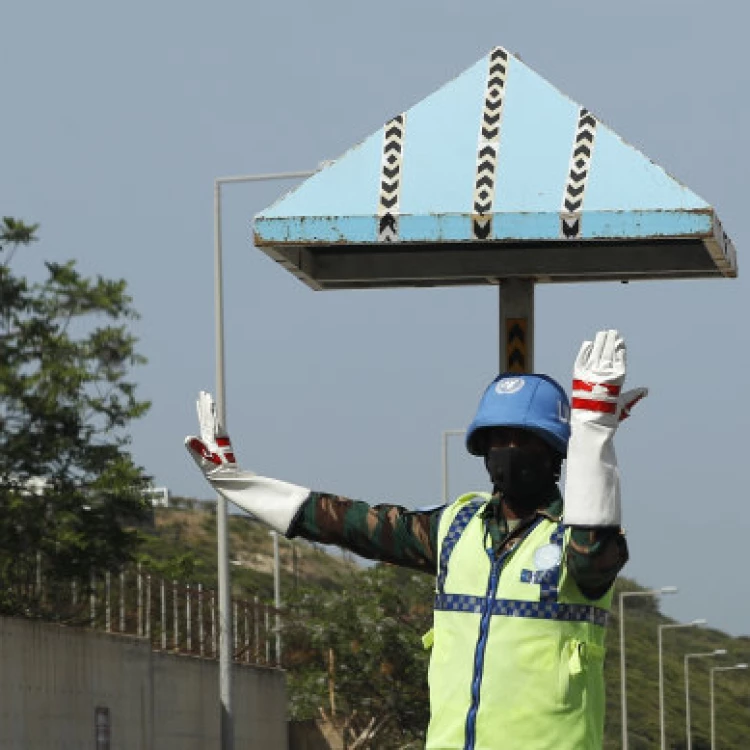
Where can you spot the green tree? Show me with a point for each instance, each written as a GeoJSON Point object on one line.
{"type": "Point", "coordinates": [356, 655]}
{"type": "Point", "coordinates": [70, 492]}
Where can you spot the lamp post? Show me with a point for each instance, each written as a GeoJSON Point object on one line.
{"type": "Point", "coordinates": [716, 652]}
{"type": "Point", "coordinates": [277, 594]}
{"type": "Point", "coordinates": [446, 435]}
{"type": "Point", "coordinates": [623, 682]}
{"type": "Point", "coordinates": [277, 587]}
{"type": "Point", "coordinates": [661, 629]}
{"type": "Point", "coordinates": [226, 724]}
{"type": "Point", "coordinates": [713, 722]}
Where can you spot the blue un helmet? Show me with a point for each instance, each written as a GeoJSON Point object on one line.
{"type": "Point", "coordinates": [530, 402]}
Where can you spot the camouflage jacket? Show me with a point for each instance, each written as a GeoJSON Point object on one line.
{"type": "Point", "coordinates": [393, 534]}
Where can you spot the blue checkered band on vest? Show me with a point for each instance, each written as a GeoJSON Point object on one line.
{"type": "Point", "coordinates": [459, 523]}
{"type": "Point", "coordinates": [548, 576]}
{"type": "Point", "coordinates": [516, 608]}
{"type": "Point", "coordinates": [548, 608]}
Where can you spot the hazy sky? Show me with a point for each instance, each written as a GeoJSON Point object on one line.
{"type": "Point", "coordinates": [118, 118]}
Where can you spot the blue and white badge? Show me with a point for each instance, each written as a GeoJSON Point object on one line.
{"type": "Point", "coordinates": [547, 557]}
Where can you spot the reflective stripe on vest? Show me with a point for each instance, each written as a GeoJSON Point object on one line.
{"type": "Point", "coordinates": [455, 530]}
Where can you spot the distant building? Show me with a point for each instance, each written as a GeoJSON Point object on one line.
{"type": "Point", "coordinates": [157, 496]}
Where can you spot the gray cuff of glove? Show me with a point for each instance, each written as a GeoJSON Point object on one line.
{"type": "Point", "coordinates": [592, 481]}
{"type": "Point", "coordinates": [271, 501]}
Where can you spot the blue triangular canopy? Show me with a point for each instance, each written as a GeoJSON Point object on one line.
{"type": "Point", "coordinates": [495, 175]}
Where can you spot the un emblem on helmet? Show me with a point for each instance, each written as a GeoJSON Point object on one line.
{"type": "Point", "coordinates": [510, 385]}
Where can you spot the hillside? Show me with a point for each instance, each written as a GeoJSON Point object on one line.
{"type": "Point", "coordinates": [180, 532]}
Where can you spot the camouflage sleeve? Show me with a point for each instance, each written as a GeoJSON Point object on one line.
{"type": "Point", "coordinates": [595, 557]}
{"type": "Point", "coordinates": [381, 532]}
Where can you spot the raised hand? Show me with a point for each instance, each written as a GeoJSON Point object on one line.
{"type": "Point", "coordinates": [592, 487]}
{"type": "Point", "coordinates": [271, 501]}
{"type": "Point", "coordinates": [212, 451]}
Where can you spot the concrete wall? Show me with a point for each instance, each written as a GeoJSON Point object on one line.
{"type": "Point", "coordinates": [52, 680]}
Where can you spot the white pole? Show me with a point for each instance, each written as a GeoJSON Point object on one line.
{"type": "Point", "coordinates": [277, 595]}
{"type": "Point", "coordinates": [711, 702]}
{"type": "Point", "coordinates": [108, 602]}
{"type": "Point", "coordinates": [226, 725]}
{"type": "Point", "coordinates": [267, 623]}
{"type": "Point", "coordinates": [226, 728]}
{"type": "Point", "coordinates": [139, 605]}
{"type": "Point", "coordinates": [662, 732]}
{"type": "Point", "coordinates": [39, 575]}
{"type": "Point", "coordinates": [445, 467]}
{"type": "Point", "coordinates": [687, 703]}
{"type": "Point", "coordinates": [148, 606]}
{"type": "Point", "coordinates": [236, 639]}
{"type": "Point", "coordinates": [661, 628]}
{"type": "Point", "coordinates": [175, 616]}
{"type": "Point", "coordinates": [713, 721]}
{"type": "Point", "coordinates": [92, 600]}
{"type": "Point", "coordinates": [122, 601]}
{"type": "Point", "coordinates": [188, 621]}
{"type": "Point", "coordinates": [201, 626]}
{"type": "Point", "coordinates": [256, 622]}
{"type": "Point", "coordinates": [214, 651]}
{"type": "Point", "coordinates": [623, 681]}
{"type": "Point", "coordinates": [247, 637]}
{"type": "Point", "coordinates": [688, 723]}
{"type": "Point", "coordinates": [163, 595]}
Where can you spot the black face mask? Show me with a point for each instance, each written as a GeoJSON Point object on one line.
{"type": "Point", "coordinates": [523, 478]}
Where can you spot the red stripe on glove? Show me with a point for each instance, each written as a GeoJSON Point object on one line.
{"type": "Point", "coordinates": [582, 385]}
{"type": "Point", "coordinates": [590, 404]}
{"type": "Point", "coordinates": [204, 452]}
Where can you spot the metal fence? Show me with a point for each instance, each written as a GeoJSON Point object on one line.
{"type": "Point", "coordinates": [175, 616]}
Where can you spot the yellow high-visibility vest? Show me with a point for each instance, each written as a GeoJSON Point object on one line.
{"type": "Point", "coordinates": [517, 649]}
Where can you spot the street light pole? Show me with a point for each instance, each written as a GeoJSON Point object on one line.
{"type": "Point", "coordinates": [226, 724]}
{"type": "Point", "coordinates": [277, 594]}
{"type": "Point", "coordinates": [662, 628]}
{"type": "Point", "coordinates": [717, 652]}
{"type": "Point", "coordinates": [713, 722]}
{"type": "Point", "coordinates": [446, 435]}
{"type": "Point", "coordinates": [623, 682]}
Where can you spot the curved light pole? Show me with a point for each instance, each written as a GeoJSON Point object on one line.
{"type": "Point", "coordinates": [709, 654]}
{"type": "Point", "coordinates": [226, 723]}
{"type": "Point", "coordinates": [713, 722]}
{"type": "Point", "coordinates": [661, 675]}
{"type": "Point", "coordinates": [623, 684]}
{"type": "Point", "coordinates": [446, 435]}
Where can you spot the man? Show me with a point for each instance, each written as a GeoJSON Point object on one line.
{"type": "Point", "coordinates": [523, 585]}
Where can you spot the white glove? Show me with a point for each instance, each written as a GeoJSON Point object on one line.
{"type": "Point", "coordinates": [592, 486]}
{"type": "Point", "coordinates": [271, 501]}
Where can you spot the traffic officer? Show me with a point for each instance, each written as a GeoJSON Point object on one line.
{"type": "Point", "coordinates": [523, 582]}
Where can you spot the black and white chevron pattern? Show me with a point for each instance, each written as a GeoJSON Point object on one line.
{"type": "Point", "coordinates": [575, 187]}
{"type": "Point", "coordinates": [489, 141]}
{"type": "Point", "coordinates": [390, 178]}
